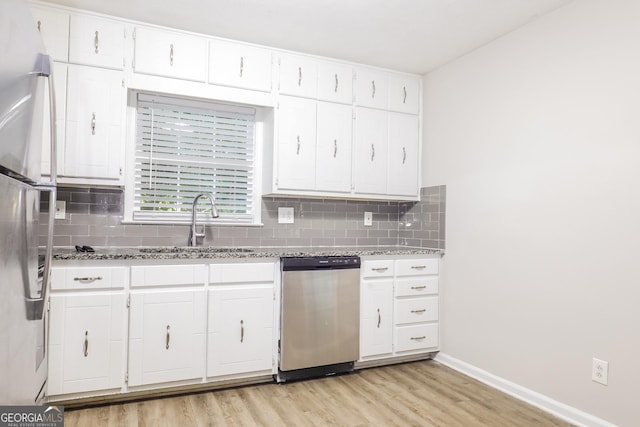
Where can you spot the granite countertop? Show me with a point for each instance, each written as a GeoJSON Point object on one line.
{"type": "Point", "coordinates": [170, 252]}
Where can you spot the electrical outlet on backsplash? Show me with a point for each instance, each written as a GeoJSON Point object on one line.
{"type": "Point", "coordinates": [94, 218]}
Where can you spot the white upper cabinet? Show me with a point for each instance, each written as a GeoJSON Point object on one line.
{"type": "Point", "coordinates": [170, 54]}
{"type": "Point", "coordinates": [403, 154]}
{"type": "Point", "coordinates": [372, 88]}
{"type": "Point", "coordinates": [335, 83]}
{"type": "Point", "coordinates": [296, 143]}
{"type": "Point", "coordinates": [370, 163]}
{"type": "Point", "coordinates": [298, 76]}
{"type": "Point", "coordinates": [54, 27]}
{"type": "Point", "coordinates": [404, 94]}
{"type": "Point", "coordinates": [96, 41]}
{"type": "Point", "coordinates": [333, 147]}
{"type": "Point", "coordinates": [238, 65]}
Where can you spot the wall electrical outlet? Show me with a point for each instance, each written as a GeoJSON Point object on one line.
{"type": "Point", "coordinates": [285, 215]}
{"type": "Point", "coordinates": [61, 209]}
{"type": "Point", "coordinates": [368, 219]}
{"type": "Point", "coordinates": [600, 371]}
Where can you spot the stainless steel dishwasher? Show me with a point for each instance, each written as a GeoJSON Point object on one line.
{"type": "Point", "coordinates": [320, 316]}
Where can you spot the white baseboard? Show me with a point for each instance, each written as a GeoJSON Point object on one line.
{"type": "Point", "coordinates": [560, 410]}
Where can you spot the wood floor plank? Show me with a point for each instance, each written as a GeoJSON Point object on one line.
{"type": "Point", "coordinates": [423, 393]}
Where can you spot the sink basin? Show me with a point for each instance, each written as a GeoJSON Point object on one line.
{"type": "Point", "coordinates": [187, 249]}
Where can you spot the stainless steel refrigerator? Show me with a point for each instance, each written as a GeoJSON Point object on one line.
{"type": "Point", "coordinates": [25, 92]}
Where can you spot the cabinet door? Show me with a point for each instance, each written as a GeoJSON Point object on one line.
{"type": "Point", "coordinates": [238, 65]}
{"type": "Point", "coordinates": [333, 149]}
{"type": "Point", "coordinates": [60, 87]}
{"type": "Point", "coordinates": [166, 336]}
{"type": "Point", "coordinates": [403, 155]}
{"type": "Point", "coordinates": [404, 94]}
{"type": "Point", "coordinates": [298, 76]}
{"type": "Point", "coordinates": [86, 348]}
{"type": "Point", "coordinates": [54, 28]}
{"type": "Point", "coordinates": [370, 163]}
{"type": "Point", "coordinates": [372, 89]}
{"type": "Point", "coordinates": [296, 144]}
{"type": "Point", "coordinates": [96, 41]}
{"type": "Point", "coordinates": [335, 83]}
{"type": "Point", "coordinates": [240, 332]}
{"type": "Point", "coordinates": [376, 324]}
{"type": "Point", "coordinates": [94, 139]}
{"type": "Point", "coordinates": [170, 54]}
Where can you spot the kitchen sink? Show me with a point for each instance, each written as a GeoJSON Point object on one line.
{"type": "Point", "coordinates": [192, 249]}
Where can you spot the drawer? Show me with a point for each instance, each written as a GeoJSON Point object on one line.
{"type": "Point", "coordinates": [417, 286]}
{"type": "Point", "coordinates": [414, 310]}
{"type": "Point", "coordinates": [416, 337]}
{"type": "Point", "coordinates": [242, 273]}
{"type": "Point", "coordinates": [168, 275]}
{"type": "Point", "coordinates": [88, 277]}
{"type": "Point", "coordinates": [416, 267]}
{"type": "Point", "coordinates": [376, 268]}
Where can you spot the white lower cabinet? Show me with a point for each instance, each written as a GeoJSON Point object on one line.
{"type": "Point", "coordinates": [376, 318]}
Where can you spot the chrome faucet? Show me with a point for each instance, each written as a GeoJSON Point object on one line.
{"type": "Point", "coordinates": [193, 232]}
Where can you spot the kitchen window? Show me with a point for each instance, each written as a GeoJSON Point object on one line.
{"type": "Point", "coordinates": [186, 147]}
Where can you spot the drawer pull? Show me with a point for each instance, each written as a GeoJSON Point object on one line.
{"type": "Point", "coordinates": [171, 55]}
{"type": "Point", "coordinates": [85, 347]}
{"type": "Point", "coordinates": [168, 338]}
{"type": "Point", "coordinates": [241, 65]}
{"type": "Point", "coordinates": [419, 311]}
{"type": "Point", "coordinates": [96, 42]}
{"type": "Point", "coordinates": [242, 331]}
{"type": "Point", "coordinates": [336, 87]}
{"type": "Point", "coordinates": [417, 288]}
{"type": "Point", "coordinates": [379, 318]}
{"type": "Point", "coordinates": [418, 267]}
{"type": "Point", "coordinates": [418, 338]}
{"type": "Point", "coordinates": [380, 269]}
{"type": "Point", "coordinates": [299, 76]}
{"type": "Point", "coordinates": [87, 279]}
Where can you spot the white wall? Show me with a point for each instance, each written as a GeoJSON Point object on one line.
{"type": "Point", "coordinates": [537, 137]}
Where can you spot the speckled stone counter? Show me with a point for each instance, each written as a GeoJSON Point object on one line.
{"type": "Point", "coordinates": [169, 253]}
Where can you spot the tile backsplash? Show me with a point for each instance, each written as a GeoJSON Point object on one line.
{"type": "Point", "coordinates": [94, 217]}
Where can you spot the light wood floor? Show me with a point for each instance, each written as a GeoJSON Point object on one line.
{"type": "Point", "coordinates": [412, 394]}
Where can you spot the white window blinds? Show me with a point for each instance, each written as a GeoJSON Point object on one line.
{"type": "Point", "coordinates": [186, 147]}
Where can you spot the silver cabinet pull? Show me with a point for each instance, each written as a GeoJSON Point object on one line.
{"type": "Point", "coordinates": [418, 287]}
{"type": "Point", "coordinates": [168, 338]}
{"type": "Point", "coordinates": [418, 267]}
{"type": "Point", "coordinates": [241, 65]}
{"type": "Point", "coordinates": [39, 24]}
{"type": "Point", "coordinates": [298, 146]}
{"type": "Point", "coordinates": [95, 42]}
{"type": "Point", "coordinates": [404, 155]}
{"type": "Point", "coordinates": [379, 319]}
{"type": "Point", "coordinates": [335, 89]}
{"type": "Point", "coordinates": [418, 338]}
{"type": "Point", "coordinates": [422, 310]}
{"type": "Point", "coordinates": [93, 124]}
{"type": "Point", "coordinates": [171, 54]}
{"type": "Point", "coordinates": [85, 347]}
{"type": "Point", "coordinates": [299, 76]}
{"type": "Point", "coordinates": [335, 148]}
{"type": "Point", "coordinates": [87, 279]}
{"type": "Point", "coordinates": [404, 100]}
{"type": "Point", "coordinates": [381, 269]}
{"type": "Point", "coordinates": [241, 331]}
{"type": "Point", "coordinates": [373, 88]}
{"type": "Point", "coordinates": [373, 152]}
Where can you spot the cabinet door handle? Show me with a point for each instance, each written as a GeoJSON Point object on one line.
{"type": "Point", "coordinates": [418, 287]}
{"type": "Point", "coordinates": [373, 89]}
{"type": "Point", "coordinates": [171, 54]}
{"type": "Point", "coordinates": [404, 100]}
{"type": "Point", "coordinates": [373, 152]}
{"type": "Point", "coordinates": [298, 146]}
{"type": "Point", "coordinates": [87, 279]}
{"type": "Point", "coordinates": [93, 123]}
{"type": "Point", "coordinates": [380, 269]}
{"type": "Point", "coordinates": [299, 76]}
{"type": "Point", "coordinates": [418, 338]}
{"type": "Point", "coordinates": [335, 148]}
{"type": "Point", "coordinates": [241, 331]}
{"type": "Point", "coordinates": [95, 42]}
{"type": "Point", "coordinates": [168, 338]}
{"type": "Point", "coordinates": [418, 267]}
{"type": "Point", "coordinates": [39, 24]}
{"type": "Point", "coordinates": [422, 310]}
{"type": "Point", "coordinates": [404, 155]}
{"type": "Point", "coordinates": [85, 347]}
{"type": "Point", "coordinates": [379, 319]}
{"type": "Point", "coordinates": [241, 65]}
{"type": "Point", "coordinates": [335, 89]}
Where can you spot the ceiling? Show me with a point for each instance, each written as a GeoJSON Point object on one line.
{"type": "Point", "coordinates": [408, 35]}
